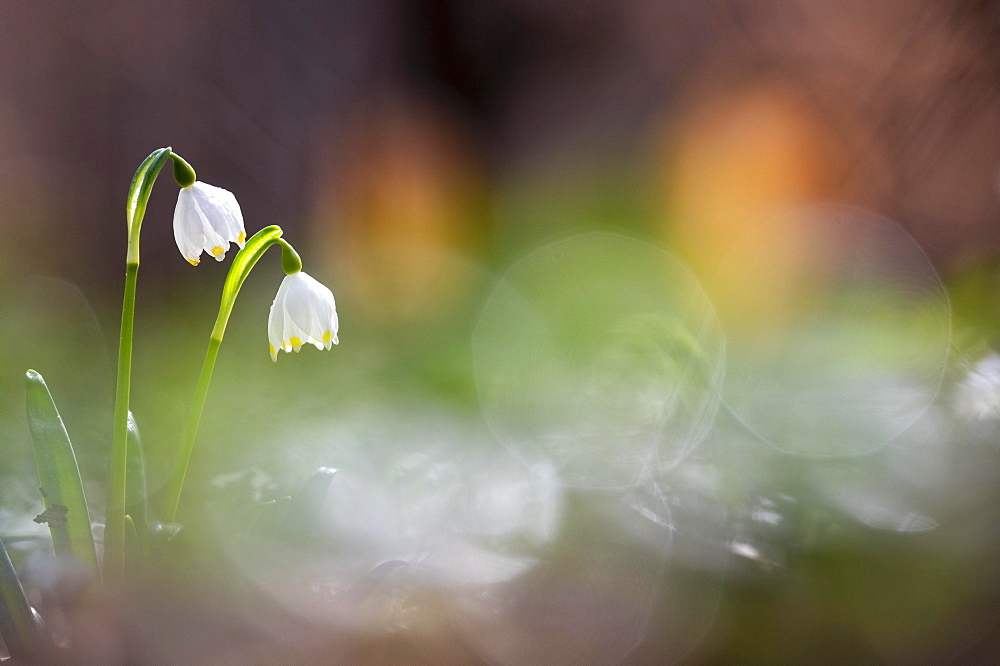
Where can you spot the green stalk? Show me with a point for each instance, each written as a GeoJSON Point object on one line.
{"type": "Point", "coordinates": [135, 210]}
{"type": "Point", "coordinates": [114, 528]}
{"type": "Point", "coordinates": [190, 432]}
{"type": "Point", "coordinates": [238, 272]}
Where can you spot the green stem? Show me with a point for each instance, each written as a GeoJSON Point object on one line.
{"type": "Point", "coordinates": [114, 521]}
{"type": "Point", "coordinates": [242, 264]}
{"type": "Point", "coordinates": [191, 431]}
{"type": "Point", "coordinates": [114, 529]}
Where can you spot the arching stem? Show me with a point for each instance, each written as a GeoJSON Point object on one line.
{"type": "Point", "coordinates": [238, 272]}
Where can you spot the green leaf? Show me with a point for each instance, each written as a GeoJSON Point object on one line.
{"type": "Point", "coordinates": [17, 620]}
{"type": "Point", "coordinates": [244, 260]}
{"type": "Point", "coordinates": [142, 185]}
{"type": "Point", "coordinates": [135, 485]}
{"type": "Point", "coordinates": [59, 476]}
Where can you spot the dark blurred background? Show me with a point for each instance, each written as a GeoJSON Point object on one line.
{"type": "Point", "coordinates": [303, 108]}
{"type": "Point", "coordinates": [411, 149]}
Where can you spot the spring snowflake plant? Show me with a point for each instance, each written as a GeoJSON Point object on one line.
{"type": "Point", "coordinates": [207, 219]}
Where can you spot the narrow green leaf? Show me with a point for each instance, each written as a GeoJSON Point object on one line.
{"type": "Point", "coordinates": [135, 485]}
{"type": "Point", "coordinates": [142, 185]}
{"type": "Point", "coordinates": [17, 621]}
{"type": "Point", "coordinates": [244, 260]}
{"type": "Point", "coordinates": [65, 503]}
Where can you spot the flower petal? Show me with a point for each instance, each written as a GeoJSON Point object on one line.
{"type": "Point", "coordinates": [303, 312]}
{"type": "Point", "coordinates": [207, 218]}
{"type": "Point", "coordinates": [275, 320]}
{"type": "Point", "coordinates": [188, 230]}
{"type": "Point", "coordinates": [222, 211]}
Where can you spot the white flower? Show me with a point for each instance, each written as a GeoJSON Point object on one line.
{"type": "Point", "coordinates": [303, 312]}
{"type": "Point", "coordinates": [207, 219]}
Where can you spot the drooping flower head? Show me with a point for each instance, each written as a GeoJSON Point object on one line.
{"type": "Point", "coordinates": [207, 219]}
{"type": "Point", "coordinates": [303, 312]}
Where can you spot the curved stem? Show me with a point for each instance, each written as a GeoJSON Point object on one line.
{"type": "Point", "coordinates": [114, 528]}
{"type": "Point", "coordinates": [243, 263]}
{"type": "Point", "coordinates": [190, 432]}
{"type": "Point", "coordinates": [114, 521]}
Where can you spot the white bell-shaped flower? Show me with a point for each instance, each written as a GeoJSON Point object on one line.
{"type": "Point", "coordinates": [207, 219]}
{"type": "Point", "coordinates": [303, 312]}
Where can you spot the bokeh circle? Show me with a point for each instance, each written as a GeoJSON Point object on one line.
{"type": "Point", "coordinates": [600, 353]}
{"type": "Point", "coordinates": [858, 349]}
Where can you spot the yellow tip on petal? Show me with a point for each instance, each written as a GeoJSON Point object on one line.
{"type": "Point", "coordinates": [327, 337]}
{"type": "Point", "coordinates": [217, 251]}
{"type": "Point", "coordinates": [193, 262]}
{"type": "Point", "coordinates": [242, 237]}
{"type": "Point", "coordinates": [273, 352]}
{"type": "Point", "coordinates": [296, 342]}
